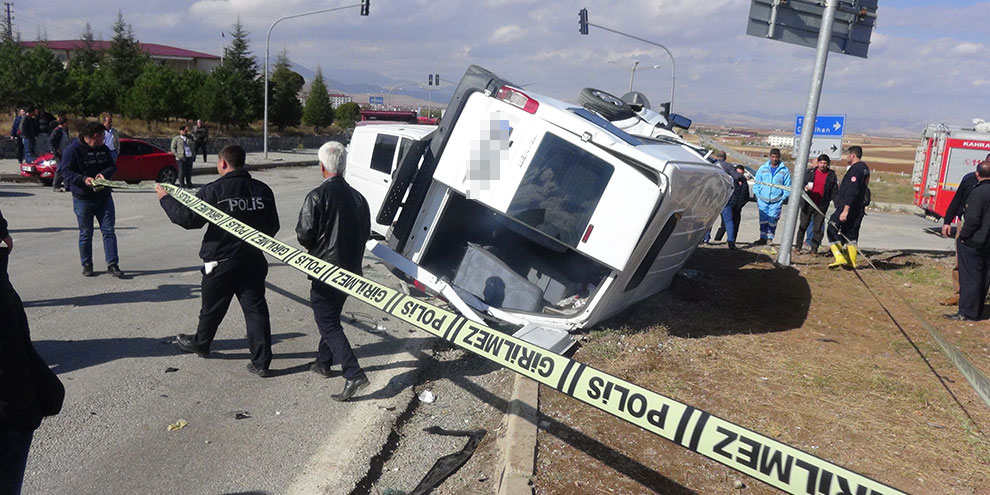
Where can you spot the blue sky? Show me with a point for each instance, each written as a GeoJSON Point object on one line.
{"type": "Point", "coordinates": [929, 61]}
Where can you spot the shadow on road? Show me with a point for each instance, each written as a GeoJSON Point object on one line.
{"type": "Point", "coordinates": [65, 356]}
{"type": "Point", "coordinates": [14, 194]}
{"type": "Point", "coordinates": [163, 293]}
{"type": "Point", "coordinates": [181, 269]}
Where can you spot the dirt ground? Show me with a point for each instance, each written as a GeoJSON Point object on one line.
{"type": "Point", "coordinates": [805, 355]}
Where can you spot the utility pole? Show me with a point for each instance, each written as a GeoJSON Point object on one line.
{"type": "Point", "coordinates": [8, 27]}
{"type": "Point", "coordinates": [793, 209]}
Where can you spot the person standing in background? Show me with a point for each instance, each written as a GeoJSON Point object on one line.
{"type": "Point", "coordinates": [200, 135]}
{"type": "Point", "coordinates": [111, 138]}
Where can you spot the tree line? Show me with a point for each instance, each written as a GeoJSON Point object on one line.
{"type": "Point", "coordinates": [124, 80]}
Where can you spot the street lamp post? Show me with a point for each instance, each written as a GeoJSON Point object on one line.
{"type": "Point", "coordinates": [268, 39]}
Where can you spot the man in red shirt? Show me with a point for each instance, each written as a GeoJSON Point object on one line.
{"type": "Point", "coordinates": [820, 184]}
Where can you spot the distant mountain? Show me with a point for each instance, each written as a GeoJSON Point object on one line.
{"type": "Point", "coordinates": [360, 82]}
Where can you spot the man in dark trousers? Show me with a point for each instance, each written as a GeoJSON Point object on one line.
{"type": "Point", "coordinates": [231, 266]}
{"type": "Point", "coordinates": [15, 135]}
{"type": "Point", "coordinates": [200, 136]}
{"type": "Point", "coordinates": [29, 133]}
{"type": "Point", "coordinates": [29, 390]}
{"type": "Point", "coordinates": [87, 158]}
{"type": "Point", "coordinates": [820, 184]}
{"type": "Point", "coordinates": [973, 249]}
{"type": "Point", "coordinates": [334, 225]}
{"type": "Point", "coordinates": [850, 207]}
{"type": "Point", "coordinates": [957, 209]}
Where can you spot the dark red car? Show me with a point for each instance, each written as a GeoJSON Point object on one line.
{"type": "Point", "coordinates": [136, 162]}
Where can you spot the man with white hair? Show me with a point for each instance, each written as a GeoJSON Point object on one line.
{"type": "Point", "coordinates": [334, 225]}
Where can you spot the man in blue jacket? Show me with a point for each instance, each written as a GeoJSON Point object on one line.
{"type": "Point", "coordinates": [770, 199]}
{"type": "Point", "coordinates": [87, 158]}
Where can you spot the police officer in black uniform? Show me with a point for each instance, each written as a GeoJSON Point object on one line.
{"type": "Point", "coordinates": [231, 266]}
{"type": "Point", "coordinates": [850, 207]}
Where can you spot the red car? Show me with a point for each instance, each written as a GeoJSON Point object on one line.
{"type": "Point", "coordinates": [137, 161]}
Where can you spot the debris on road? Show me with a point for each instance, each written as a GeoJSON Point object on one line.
{"type": "Point", "coordinates": [171, 369]}
{"type": "Point", "coordinates": [427, 397]}
{"type": "Point", "coordinates": [448, 464]}
{"type": "Point", "coordinates": [178, 425]}
{"type": "Point", "coordinates": [242, 415]}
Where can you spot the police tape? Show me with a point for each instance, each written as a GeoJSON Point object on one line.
{"type": "Point", "coordinates": [739, 448]}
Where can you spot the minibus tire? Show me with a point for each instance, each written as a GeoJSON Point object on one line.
{"type": "Point", "coordinates": [609, 106]}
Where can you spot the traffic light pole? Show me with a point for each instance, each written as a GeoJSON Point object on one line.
{"type": "Point", "coordinates": [268, 39]}
{"type": "Point", "coordinates": [807, 132]}
{"type": "Point", "coordinates": [583, 24]}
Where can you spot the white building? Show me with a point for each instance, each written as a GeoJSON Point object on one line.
{"type": "Point", "coordinates": [779, 141]}
{"type": "Point", "coordinates": [338, 99]}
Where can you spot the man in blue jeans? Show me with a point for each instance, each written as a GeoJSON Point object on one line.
{"type": "Point", "coordinates": [88, 158]}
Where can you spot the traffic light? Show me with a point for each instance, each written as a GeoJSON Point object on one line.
{"type": "Point", "coordinates": [583, 21]}
{"type": "Point", "coordinates": [436, 77]}
{"type": "Point", "coordinates": [364, 7]}
{"type": "Point", "coordinates": [430, 83]}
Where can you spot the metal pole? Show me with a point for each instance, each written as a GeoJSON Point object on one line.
{"type": "Point", "coordinates": [807, 132]}
{"type": "Point", "coordinates": [673, 65]}
{"type": "Point", "coordinates": [268, 40]}
{"type": "Point", "coordinates": [632, 74]}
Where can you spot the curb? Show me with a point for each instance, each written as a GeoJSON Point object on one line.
{"type": "Point", "coordinates": [519, 444]}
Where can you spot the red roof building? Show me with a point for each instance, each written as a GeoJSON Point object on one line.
{"type": "Point", "coordinates": [178, 58]}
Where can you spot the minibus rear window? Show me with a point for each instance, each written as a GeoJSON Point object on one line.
{"type": "Point", "coordinates": [560, 190]}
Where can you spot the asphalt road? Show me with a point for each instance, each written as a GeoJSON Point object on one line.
{"type": "Point", "coordinates": [111, 343]}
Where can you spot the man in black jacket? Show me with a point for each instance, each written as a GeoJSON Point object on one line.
{"type": "Point", "coordinates": [957, 209]}
{"type": "Point", "coordinates": [973, 249]}
{"type": "Point", "coordinates": [29, 390]}
{"type": "Point", "coordinates": [334, 225]}
{"type": "Point", "coordinates": [231, 266]}
{"type": "Point", "coordinates": [87, 158]}
{"type": "Point", "coordinates": [820, 184]}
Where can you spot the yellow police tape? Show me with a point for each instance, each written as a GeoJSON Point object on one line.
{"type": "Point", "coordinates": [744, 450]}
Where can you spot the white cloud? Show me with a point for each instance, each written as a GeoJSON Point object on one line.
{"type": "Point", "coordinates": [506, 34]}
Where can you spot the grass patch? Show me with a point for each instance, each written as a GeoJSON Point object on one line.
{"type": "Point", "coordinates": [929, 275]}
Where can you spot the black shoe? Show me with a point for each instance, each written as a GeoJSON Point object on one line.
{"type": "Point", "coordinates": [761, 242]}
{"type": "Point", "coordinates": [262, 372]}
{"type": "Point", "coordinates": [114, 271]}
{"type": "Point", "coordinates": [958, 317]}
{"type": "Point", "coordinates": [350, 388]}
{"type": "Point", "coordinates": [87, 270]}
{"type": "Point", "coordinates": [323, 371]}
{"type": "Point", "coordinates": [186, 344]}
{"type": "Point", "coordinates": [732, 246]}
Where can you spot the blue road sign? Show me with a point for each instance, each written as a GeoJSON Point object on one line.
{"type": "Point", "coordinates": [825, 125]}
{"type": "Point", "coordinates": [376, 100]}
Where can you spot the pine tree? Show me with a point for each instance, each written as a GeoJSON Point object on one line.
{"type": "Point", "coordinates": [87, 57]}
{"type": "Point", "coordinates": [124, 61]}
{"type": "Point", "coordinates": [318, 111]}
{"type": "Point", "coordinates": [233, 92]}
{"type": "Point", "coordinates": [285, 110]}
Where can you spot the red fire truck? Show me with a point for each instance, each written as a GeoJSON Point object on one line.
{"type": "Point", "coordinates": [945, 155]}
